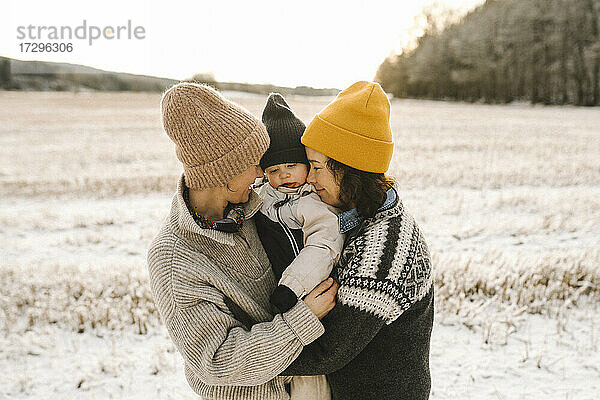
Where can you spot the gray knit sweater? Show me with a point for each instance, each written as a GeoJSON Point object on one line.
{"type": "Point", "coordinates": [207, 286]}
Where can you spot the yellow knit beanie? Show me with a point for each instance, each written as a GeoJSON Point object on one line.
{"type": "Point", "coordinates": [354, 129]}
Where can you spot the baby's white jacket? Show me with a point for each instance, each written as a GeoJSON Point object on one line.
{"type": "Point", "coordinates": [323, 241]}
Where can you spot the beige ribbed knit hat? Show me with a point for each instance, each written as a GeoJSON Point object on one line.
{"type": "Point", "coordinates": [215, 139]}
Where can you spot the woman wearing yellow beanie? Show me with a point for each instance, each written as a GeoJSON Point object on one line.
{"type": "Point", "coordinates": [376, 340]}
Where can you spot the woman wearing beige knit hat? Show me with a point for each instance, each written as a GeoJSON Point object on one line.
{"type": "Point", "coordinates": [376, 340]}
{"type": "Point", "coordinates": [210, 277]}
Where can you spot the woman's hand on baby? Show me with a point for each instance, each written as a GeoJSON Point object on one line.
{"type": "Point", "coordinates": [322, 298]}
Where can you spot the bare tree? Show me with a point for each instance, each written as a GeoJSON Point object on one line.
{"type": "Point", "coordinates": [544, 51]}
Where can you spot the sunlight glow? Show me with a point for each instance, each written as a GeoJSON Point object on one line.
{"type": "Point", "coordinates": [315, 43]}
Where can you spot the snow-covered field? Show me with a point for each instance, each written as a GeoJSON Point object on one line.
{"type": "Point", "coordinates": [508, 197]}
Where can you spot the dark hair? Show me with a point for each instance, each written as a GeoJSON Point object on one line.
{"type": "Point", "coordinates": [366, 191]}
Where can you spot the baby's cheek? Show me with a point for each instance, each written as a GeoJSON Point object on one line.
{"type": "Point", "coordinates": [274, 182]}
{"type": "Point", "coordinates": [303, 176]}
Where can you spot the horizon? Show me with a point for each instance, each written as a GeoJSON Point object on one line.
{"type": "Point", "coordinates": [100, 70]}
{"type": "Point", "coordinates": [246, 44]}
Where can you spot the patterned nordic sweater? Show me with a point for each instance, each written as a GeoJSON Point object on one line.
{"type": "Point", "coordinates": [376, 340]}
{"type": "Point", "coordinates": [212, 291]}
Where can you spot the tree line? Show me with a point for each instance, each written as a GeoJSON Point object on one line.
{"type": "Point", "coordinates": [542, 51]}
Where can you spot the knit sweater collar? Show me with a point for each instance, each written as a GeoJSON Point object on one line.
{"type": "Point", "coordinates": [351, 219]}
{"type": "Point", "coordinates": [185, 222]}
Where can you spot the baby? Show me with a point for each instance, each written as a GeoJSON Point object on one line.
{"type": "Point", "coordinates": [298, 231]}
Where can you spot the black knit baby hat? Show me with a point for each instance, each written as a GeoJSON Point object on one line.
{"type": "Point", "coordinates": [285, 131]}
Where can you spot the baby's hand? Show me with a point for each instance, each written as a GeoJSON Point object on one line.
{"type": "Point", "coordinates": [283, 298]}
